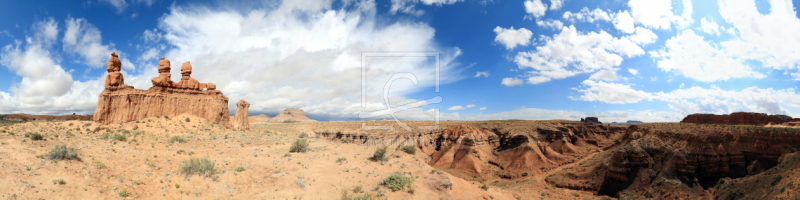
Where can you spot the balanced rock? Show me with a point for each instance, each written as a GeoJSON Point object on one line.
{"type": "Point", "coordinates": [114, 79]}
{"type": "Point", "coordinates": [118, 104]}
{"type": "Point", "coordinates": [241, 120]}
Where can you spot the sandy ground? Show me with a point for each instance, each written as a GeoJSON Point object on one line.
{"type": "Point", "coordinates": [249, 164]}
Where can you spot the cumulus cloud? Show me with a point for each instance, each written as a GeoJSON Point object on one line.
{"type": "Point", "coordinates": [470, 105]}
{"type": "Point", "coordinates": [408, 6]}
{"type": "Point", "coordinates": [633, 71]}
{"type": "Point", "coordinates": [482, 108]}
{"type": "Point", "coordinates": [769, 38]}
{"type": "Point", "coordinates": [535, 8]}
{"type": "Point", "coordinates": [689, 55]}
{"type": "Point", "coordinates": [623, 22]}
{"type": "Point", "coordinates": [479, 74]}
{"type": "Point", "coordinates": [456, 108]}
{"type": "Point", "coordinates": [556, 4]}
{"type": "Point", "coordinates": [709, 27]}
{"type": "Point", "coordinates": [546, 114]}
{"type": "Point", "coordinates": [511, 37]}
{"type": "Point", "coordinates": [120, 5]}
{"type": "Point", "coordinates": [658, 13]}
{"type": "Point", "coordinates": [509, 82]}
{"type": "Point", "coordinates": [570, 52]}
{"type": "Point", "coordinates": [614, 93]}
{"type": "Point", "coordinates": [586, 15]}
{"type": "Point", "coordinates": [550, 24]}
{"type": "Point", "coordinates": [607, 75]}
{"type": "Point", "coordinates": [84, 39]}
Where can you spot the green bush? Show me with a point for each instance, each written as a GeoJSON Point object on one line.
{"type": "Point", "coordinates": [776, 179]}
{"type": "Point", "coordinates": [397, 182]}
{"type": "Point", "coordinates": [379, 155]}
{"type": "Point", "coordinates": [346, 140]}
{"type": "Point", "coordinates": [119, 137]}
{"type": "Point", "coordinates": [188, 120]}
{"type": "Point", "coordinates": [123, 192]}
{"type": "Point", "coordinates": [303, 135]}
{"type": "Point", "coordinates": [200, 166]}
{"type": "Point", "coordinates": [410, 149]}
{"type": "Point", "coordinates": [485, 187]}
{"type": "Point", "coordinates": [35, 136]}
{"type": "Point", "coordinates": [341, 160]}
{"type": "Point", "coordinates": [240, 169]}
{"type": "Point", "coordinates": [346, 196]}
{"type": "Point", "coordinates": [61, 152]}
{"type": "Point", "coordinates": [177, 138]}
{"type": "Point", "coordinates": [299, 145]}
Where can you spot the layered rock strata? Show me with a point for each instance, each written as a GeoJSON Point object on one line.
{"type": "Point", "coordinates": [740, 118]}
{"type": "Point", "coordinates": [119, 104]}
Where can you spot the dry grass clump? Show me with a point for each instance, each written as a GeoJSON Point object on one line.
{"type": "Point", "coordinates": [61, 152]}
{"type": "Point", "coordinates": [200, 166]}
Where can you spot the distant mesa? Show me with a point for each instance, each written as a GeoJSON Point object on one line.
{"type": "Point", "coordinates": [592, 120]}
{"type": "Point", "coordinates": [120, 103]}
{"type": "Point", "coordinates": [738, 118]}
{"type": "Point", "coordinates": [288, 115]}
{"type": "Point", "coordinates": [633, 122]}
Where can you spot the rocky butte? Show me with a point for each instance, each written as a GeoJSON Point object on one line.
{"type": "Point", "coordinates": [743, 118]}
{"type": "Point", "coordinates": [120, 103]}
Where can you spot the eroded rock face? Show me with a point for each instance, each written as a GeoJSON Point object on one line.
{"type": "Point", "coordinates": [291, 115]}
{"type": "Point", "coordinates": [741, 118]}
{"type": "Point", "coordinates": [118, 104]}
{"type": "Point", "coordinates": [240, 120]}
{"type": "Point", "coordinates": [696, 157]}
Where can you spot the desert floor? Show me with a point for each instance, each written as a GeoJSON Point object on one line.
{"type": "Point", "coordinates": [256, 163]}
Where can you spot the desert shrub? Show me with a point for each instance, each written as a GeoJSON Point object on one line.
{"type": "Point", "coordinates": [358, 189]}
{"type": "Point", "coordinates": [776, 179]}
{"type": "Point", "coordinates": [59, 181]}
{"type": "Point", "coordinates": [485, 187]}
{"type": "Point", "coordinates": [346, 196]}
{"type": "Point", "coordinates": [410, 149]}
{"type": "Point", "coordinates": [396, 182]}
{"type": "Point", "coordinates": [123, 192]}
{"type": "Point", "coordinates": [240, 169]}
{"type": "Point", "coordinates": [346, 140]}
{"type": "Point", "coordinates": [299, 145]}
{"type": "Point", "coordinates": [35, 136]}
{"type": "Point", "coordinates": [188, 120]}
{"type": "Point", "coordinates": [177, 138]}
{"type": "Point", "coordinates": [166, 117]}
{"type": "Point", "coordinates": [341, 160]}
{"type": "Point", "coordinates": [98, 165]}
{"type": "Point", "coordinates": [524, 173]}
{"type": "Point", "coordinates": [447, 185]}
{"type": "Point", "coordinates": [647, 194]}
{"type": "Point", "coordinates": [120, 138]}
{"type": "Point", "coordinates": [61, 152]}
{"type": "Point", "coordinates": [379, 155]}
{"type": "Point", "coordinates": [200, 166]}
{"type": "Point", "coordinates": [303, 135]}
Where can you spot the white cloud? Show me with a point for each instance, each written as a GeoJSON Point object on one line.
{"type": "Point", "coordinates": [151, 53]}
{"type": "Point", "coordinates": [682, 85]}
{"type": "Point", "coordinates": [709, 27]}
{"type": "Point", "coordinates": [633, 71]}
{"type": "Point", "coordinates": [535, 7]}
{"type": "Point", "coordinates": [556, 4]}
{"type": "Point", "coordinates": [152, 35]}
{"type": "Point", "coordinates": [470, 105]}
{"type": "Point", "coordinates": [614, 93]}
{"type": "Point", "coordinates": [687, 54]}
{"type": "Point", "coordinates": [511, 37]}
{"type": "Point", "coordinates": [550, 24]}
{"type": "Point", "coordinates": [623, 22]}
{"type": "Point", "coordinates": [571, 52]}
{"type": "Point", "coordinates": [642, 36]}
{"type": "Point", "coordinates": [586, 15]}
{"type": "Point", "coordinates": [45, 32]}
{"type": "Point", "coordinates": [509, 82]}
{"type": "Point", "coordinates": [479, 74]}
{"type": "Point", "coordinates": [120, 5]}
{"type": "Point", "coordinates": [538, 79]}
{"type": "Point", "coordinates": [545, 114]}
{"type": "Point", "coordinates": [146, 2]}
{"type": "Point", "coordinates": [770, 39]}
{"type": "Point", "coordinates": [658, 13]}
{"type": "Point", "coordinates": [482, 108]}
{"type": "Point", "coordinates": [408, 6]}
{"type": "Point", "coordinates": [84, 39]}
{"type": "Point", "coordinates": [716, 100]}
{"type": "Point", "coordinates": [456, 108]}
{"type": "Point", "coordinates": [607, 75]}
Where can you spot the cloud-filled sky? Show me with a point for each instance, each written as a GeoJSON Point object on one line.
{"type": "Point", "coordinates": [647, 60]}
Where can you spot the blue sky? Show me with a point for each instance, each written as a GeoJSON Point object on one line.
{"type": "Point", "coordinates": [533, 59]}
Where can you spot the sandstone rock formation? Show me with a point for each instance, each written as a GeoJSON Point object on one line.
{"type": "Point", "coordinates": [114, 79]}
{"type": "Point", "coordinates": [742, 118]}
{"type": "Point", "coordinates": [592, 120]}
{"type": "Point", "coordinates": [27, 117]}
{"type": "Point", "coordinates": [291, 115]}
{"type": "Point", "coordinates": [241, 120]}
{"type": "Point", "coordinates": [126, 104]}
